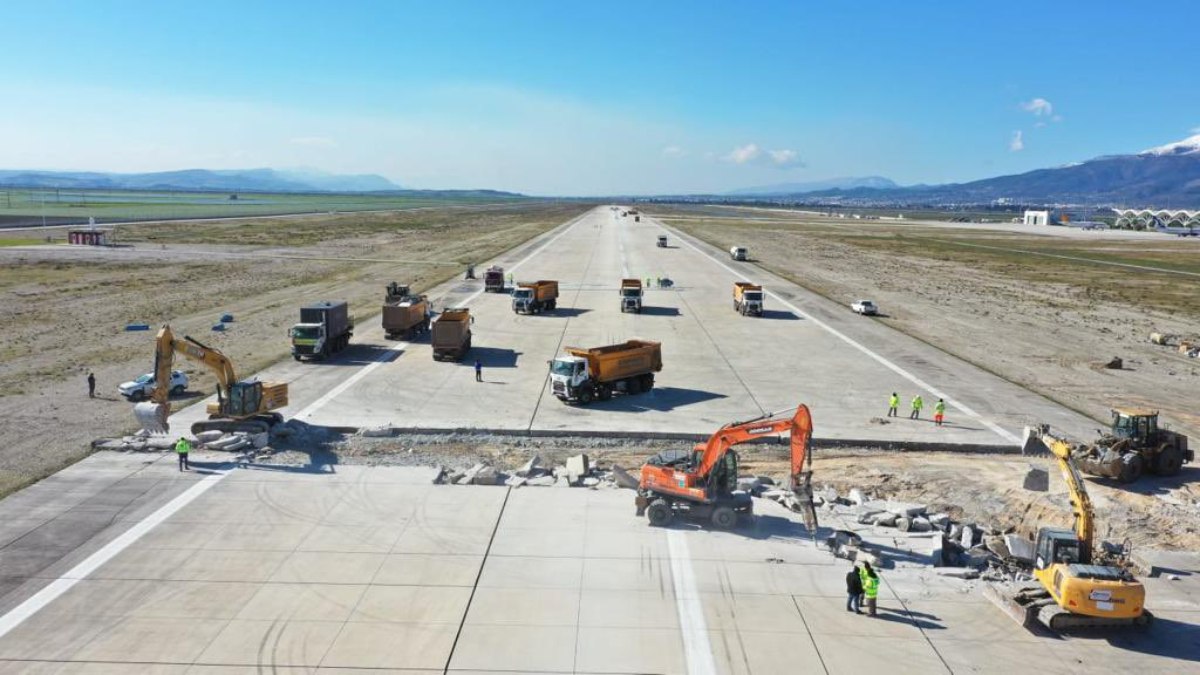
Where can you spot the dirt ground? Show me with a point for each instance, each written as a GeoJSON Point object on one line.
{"type": "Point", "coordinates": [65, 309]}
{"type": "Point", "coordinates": [1043, 322]}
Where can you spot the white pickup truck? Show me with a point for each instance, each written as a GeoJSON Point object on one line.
{"type": "Point", "coordinates": [865, 307]}
{"type": "Point", "coordinates": [139, 389]}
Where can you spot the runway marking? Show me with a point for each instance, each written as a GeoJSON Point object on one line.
{"type": "Point", "coordinates": [312, 408]}
{"type": "Point", "coordinates": [958, 405]}
{"type": "Point", "coordinates": [696, 648]}
{"type": "Point", "coordinates": [17, 615]}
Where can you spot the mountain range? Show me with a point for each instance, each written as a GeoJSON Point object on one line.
{"type": "Point", "coordinates": [877, 182]}
{"type": "Point", "coordinates": [1165, 175]}
{"type": "Point", "coordinates": [247, 180]}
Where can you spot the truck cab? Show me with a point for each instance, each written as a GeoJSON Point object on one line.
{"type": "Point", "coordinates": [631, 295]}
{"type": "Point", "coordinates": [738, 253]}
{"type": "Point", "coordinates": [522, 298]}
{"type": "Point", "coordinates": [567, 375]}
{"type": "Point", "coordinates": [662, 241]}
{"type": "Point", "coordinates": [308, 339]}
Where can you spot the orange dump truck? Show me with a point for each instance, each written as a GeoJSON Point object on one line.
{"type": "Point", "coordinates": [583, 375]}
{"type": "Point", "coordinates": [534, 297]}
{"type": "Point", "coordinates": [404, 314]}
{"type": "Point", "coordinates": [747, 298]}
{"type": "Point", "coordinates": [631, 295]}
{"type": "Point", "coordinates": [452, 334]}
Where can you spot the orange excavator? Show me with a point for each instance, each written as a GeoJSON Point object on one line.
{"type": "Point", "coordinates": [702, 484]}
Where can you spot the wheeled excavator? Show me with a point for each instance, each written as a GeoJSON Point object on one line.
{"type": "Point", "coordinates": [1073, 589]}
{"type": "Point", "coordinates": [702, 484]}
{"type": "Point", "coordinates": [240, 406]}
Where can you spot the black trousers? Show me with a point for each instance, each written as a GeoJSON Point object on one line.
{"type": "Point", "coordinates": [183, 461]}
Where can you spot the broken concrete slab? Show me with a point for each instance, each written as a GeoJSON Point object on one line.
{"type": "Point", "coordinates": [623, 479]}
{"type": "Point", "coordinates": [904, 509]}
{"type": "Point", "coordinates": [260, 440]}
{"type": "Point", "coordinates": [1019, 548]}
{"type": "Point", "coordinates": [856, 496]}
{"type": "Point", "coordinates": [939, 521]}
{"type": "Point", "coordinates": [590, 481]}
{"type": "Point", "coordinates": [887, 519]}
{"type": "Point", "coordinates": [209, 436]}
{"type": "Point", "coordinates": [529, 467]}
{"type": "Point", "coordinates": [384, 431]}
{"type": "Point", "coordinates": [828, 494]}
{"type": "Point", "coordinates": [957, 572]}
{"type": "Point", "coordinates": [469, 477]}
{"type": "Point", "coordinates": [920, 524]}
{"type": "Point", "coordinates": [487, 476]}
{"type": "Point", "coordinates": [577, 468]}
{"type": "Point", "coordinates": [515, 481]}
{"type": "Point", "coordinates": [967, 539]}
{"type": "Point", "coordinates": [541, 481]}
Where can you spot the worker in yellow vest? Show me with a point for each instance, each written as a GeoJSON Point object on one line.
{"type": "Point", "coordinates": [870, 586]}
{"type": "Point", "coordinates": [182, 448]}
{"type": "Point", "coordinates": [917, 404]}
{"type": "Point", "coordinates": [893, 405]}
{"type": "Point", "coordinates": [939, 412]}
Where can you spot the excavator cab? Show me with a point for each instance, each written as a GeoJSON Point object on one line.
{"type": "Point", "coordinates": [1057, 546]}
{"type": "Point", "coordinates": [245, 398]}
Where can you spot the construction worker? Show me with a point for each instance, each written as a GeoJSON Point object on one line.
{"type": "Point", "coordinates": [478, 370]}
{"type": "Point", "coordinates": [917, 404]}
{"type": "Point", "coordinates": [939, 412]}
{"type": "Point", "coordinates": [182, 448]}
{"type": "Point", "coordinates": [854, 590]}
{"type": "Point", "coordinates": [91, 385]}
{"type": "Point", "coordinates": [894, 405]}
{"type": "Point", "coordinates": [870, 584]}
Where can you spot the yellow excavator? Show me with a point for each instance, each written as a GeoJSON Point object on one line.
{"type": "Point", "coordinates": [1072, 590]}
{"type": "Point", "coordinates": [240, 406]}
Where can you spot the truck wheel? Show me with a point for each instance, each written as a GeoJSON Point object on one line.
{"type": "Point", "coordinates": [1169, 461]}
{"type": "Point", "coordinates": [296, 356]}
{"type": "Point", "coordinates": [1131, 468]}
{"type": "Point", "coordinates": [178, 389]}
{"type": "Point", "coordinates": [553, 305]}
{"type": "Point", "coordinates": [724, 518]}
{"type": "Point", "coordinates": [659, 513]}
{"type": "Point", "coordinates": [585, 396]}
{"type": "Point", "coordinates": [633, 385]}
{"type": "Point", "coordinates": [647, 382]}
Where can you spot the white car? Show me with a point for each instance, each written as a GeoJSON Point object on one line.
{"type": "Point", "coordinates": [865, 307]}
{"type": "Point", "coordinates": [140, 388]}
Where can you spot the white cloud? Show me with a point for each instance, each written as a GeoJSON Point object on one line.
{"type": "Point", "coordinates": [1039, 107]}
{"type": "Point", "coordinates": [673, 151]}
{"type": "Point", "coordinates": [744, 154]}
{"type": "Point", "coordinates": [314, 142]}
{"type": "Point", "coordinates": [1039, 125]}
{"type": "Point", "coordinates": [752, 154]}
{"type": "Point", "coordinates": [1056, 118]}
{"type": "Point", "coordinates": [1017, 143]}
{"type": "Point", "coordinates": [784, 158]}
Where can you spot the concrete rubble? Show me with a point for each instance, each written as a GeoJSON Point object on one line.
{"type": "Point", "coordinates": [577, 472]}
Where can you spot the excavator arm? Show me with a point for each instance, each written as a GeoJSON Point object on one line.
{"type": "Point", "coordinates": [799, 426]}
{"type": "Point", "coordinates": [1041, 440]}
{"type": "Point", "coordinates": [153, 413]}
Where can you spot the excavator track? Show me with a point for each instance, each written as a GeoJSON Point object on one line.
{"type": "Point", "coordinates": [1060, 620]}
{"type": "Point", "coordinates": [229, 426]}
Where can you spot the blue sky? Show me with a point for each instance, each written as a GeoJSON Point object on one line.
{"type": "Point", "coordinates": [596, 98]}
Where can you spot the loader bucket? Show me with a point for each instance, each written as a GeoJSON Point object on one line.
{"type": "Point", "coordinates": [152, 416]}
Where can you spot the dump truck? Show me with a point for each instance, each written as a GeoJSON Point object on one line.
{"type": "Point", "coordinates": [631, 295]}
{"type": "Point", "coordinates": [324, 329]}
{"type": "Point", "coordinates": [637, 219]}
{"type": "Point", "coordinates": [493, 279]}
{"type": "Point", "coordinates": [747, 298]}
{"type": "Point", "coordinates": [534, 297]}
{"type": "Point", "coordinates": [582, 375]}
{"type": "Point", "coordinates": [738, 253]}
{"type": "Point", "coordinates": [452, 334]}
{"type": "Point", "coordinates": [404, 314]}
{"type": "Point", "coordinates": [662, 241]}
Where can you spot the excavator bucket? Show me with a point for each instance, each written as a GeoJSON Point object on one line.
{"type": "Point", "coordinates": [152, 416]}
{"type": "Point", "coordinates": [1034, 446]}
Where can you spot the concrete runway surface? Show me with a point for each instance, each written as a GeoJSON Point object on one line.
{"type": "Point", "coordinates": [121, 563]}
{"type": "Point", "coordinates": [718, 366]}
{"type": "Point", "coordinates": [354, 569]}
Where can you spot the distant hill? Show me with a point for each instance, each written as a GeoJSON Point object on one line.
{"type": "Point", "coordinates": [1168, 174]}
{"type": "Point", "coordinates": [877, 182]}
{"type": "Point", "coordinates": [248, 180]}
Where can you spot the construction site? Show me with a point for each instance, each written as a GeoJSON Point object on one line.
{"type": "Point", "coordinates": [560, 437]}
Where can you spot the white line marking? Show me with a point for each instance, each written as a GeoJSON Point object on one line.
{"type": "Point", "coordinates": [962, 407]}
{"type": "Point", "coordinates": [61, 585]}
{"type": "Point", "coordinates": [696, 647]}
{"type": "Point", "coordinates": [312, 408]}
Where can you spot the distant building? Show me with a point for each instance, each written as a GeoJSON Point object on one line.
{"type": "Point", "coordinates": [1037, 218]}
{"type": "Point", "coordinates": [88, 237]}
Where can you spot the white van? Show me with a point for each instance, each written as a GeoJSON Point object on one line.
{"type": "Point", "coordinates": [738, 253]}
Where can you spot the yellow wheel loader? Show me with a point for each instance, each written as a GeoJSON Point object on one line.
{"type": "Point", "coordinates": [240, 406]}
